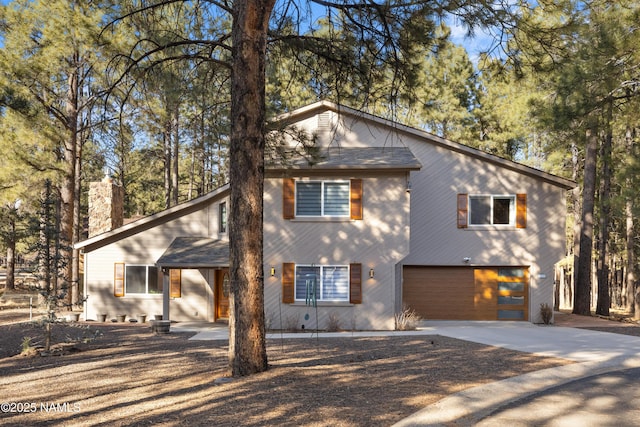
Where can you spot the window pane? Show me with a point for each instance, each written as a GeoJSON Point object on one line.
{"type": "Point", "coordinates": [511, 272]}
{"type": "Point", "coordinates": [154, 282]}
{"type": "Point", "coordinates": [135, 279]}
{"type": "Point", "coordinates": [511, 314]}
{"type": "Point", "coordinates": [480, 207]}
{"type": "Point", "coordinates": [335, 283]}
{"type": "Point", "coordinates": [501, 210]}
{"type": "Point", "coordinates": [511, 286]}
{"type": "Point", "coordinates": [307, 283]}
{"type": "Point", "coordinates": [308, 198]}
{"type": "Point", "coordinates": [510, 300]}
{"type": "Point", "coordinates": [336, 198]}
{"type": "Point", "coordinates": [222, 215]}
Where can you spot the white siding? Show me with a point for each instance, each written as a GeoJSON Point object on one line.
{"type": "Point", "coordinates": [379, 241]}
{"type": "Point", "coordinates": [145, 247]}
{"type": "Point", "coordinates": [435, 238]}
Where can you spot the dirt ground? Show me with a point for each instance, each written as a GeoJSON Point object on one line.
{"type": "Point", "coordinates": [120, 374]}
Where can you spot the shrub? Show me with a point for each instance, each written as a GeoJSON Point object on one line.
{"type": "Point", "coordinates": [407, 319]}
{"type": "Point", "coordinates": [546, 312]}
{"type": "Point", "coordinates": [333, 324]}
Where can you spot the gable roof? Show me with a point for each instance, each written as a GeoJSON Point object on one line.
{"type": "Point", "coordinates": [150, 221]}
{"type": "Point", "coordinates": [320, 106]}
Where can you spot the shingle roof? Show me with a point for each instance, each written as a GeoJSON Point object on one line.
{"type": "Point", "coordinates": [195, 252]}
{"type": "Point", "coordinates": [364, 158]}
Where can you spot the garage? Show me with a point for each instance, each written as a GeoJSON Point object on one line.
{"type": "Point", "coordinates": [467, 293]}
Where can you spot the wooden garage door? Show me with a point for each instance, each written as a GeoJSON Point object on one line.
{"type": "Point", "coordinates": [443, 293]}
{"type": "Point", "coordinates": [467, 293]}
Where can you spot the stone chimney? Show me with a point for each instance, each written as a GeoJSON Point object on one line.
{"type": "Point", "coordinates": [106, 206]}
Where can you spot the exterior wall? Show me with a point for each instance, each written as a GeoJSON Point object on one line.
{"type": "Point", "coordinates": [433, 201]}
{"type": "Point", "coordinates": [435, 238]}
{"type": "Point", "coordinates": [379, 241]}
{"type": "Point", "coordinates": [145, 247]}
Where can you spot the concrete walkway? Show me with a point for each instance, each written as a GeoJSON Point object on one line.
{"type": "Point", "coordinates": [595, 353]}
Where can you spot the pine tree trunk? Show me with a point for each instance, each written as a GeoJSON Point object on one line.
{"type": "Point", "coordinates": [604, 299]}
{"type": "Point", "coordinates": [582, 295]}
{"type": "Point", "coordinates": [11, 262]}
{"type": "Point", "coordinates": [247, 343]}
{"type": "Point", "coordinates": [67, 188]}
{"type": "Point", "coordinates": [175, 114]}
{"type": "Point", "coordinates": [166, 140]}
{"type": "Point", "coordinates": [631, 300]}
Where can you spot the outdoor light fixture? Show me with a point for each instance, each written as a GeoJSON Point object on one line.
{"type": "Point", "coordinates": [371, 273]}
{"type": "Point", "coordinates": [272, 271]}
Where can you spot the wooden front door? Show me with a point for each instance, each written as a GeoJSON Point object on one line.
{"type": "Point", "coordinates": [221, 294]}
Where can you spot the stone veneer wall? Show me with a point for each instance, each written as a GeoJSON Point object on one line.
{"type": "Point", "coordinates": [106, 206]}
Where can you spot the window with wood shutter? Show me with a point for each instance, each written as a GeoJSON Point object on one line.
{"type": "Point", "coordinates": [288, 198]}
{"type": "Point", "coordinates": [356, 199]}
{"type": "Point", "coordinates": [492, 210]}
{"type": "Point", "coordinates": [521, 211]}
{"type": "Point", "coordinates": [318, 283]}
{"type": "Point", "coordinates": [328, 198]}
{"type": "Point", "coordinates": [118, 279]}
{"type": "Point", "coordinates": [136, 279]}
{"type": "Point", "coordinates": [463, 209]}
{"type": "Point", "coordinates": [355, 283]}
{"type": "Point", "coordinates": [288, 282]}
{"type": "Point", "coordinates": [175, 283]}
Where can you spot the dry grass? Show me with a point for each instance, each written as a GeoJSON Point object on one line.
{"type": "Point", "coordinates": [128, 376]}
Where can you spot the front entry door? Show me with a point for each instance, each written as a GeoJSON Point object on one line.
{"type": "Point", "coordinates": [221, 294]}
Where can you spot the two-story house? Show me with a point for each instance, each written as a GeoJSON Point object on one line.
{"type": "Point", "coordinates": [381, 216]}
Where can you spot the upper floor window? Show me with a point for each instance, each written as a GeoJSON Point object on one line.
{"type": "Point", "coordinates": [317, 199]}
{"type": "Point", "coordinates": [492, 210]}
{"type": "Point", "coordinates": [222, 217]}
{"type": "Point", "coordinates": [322, 198]}
{"type": "Point", "coordinates": [499, 210]}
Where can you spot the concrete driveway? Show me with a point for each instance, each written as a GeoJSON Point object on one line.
{"type": "Point", "coordinates": [596, 354]}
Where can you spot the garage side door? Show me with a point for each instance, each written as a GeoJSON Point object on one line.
{"type": "Point", "coordinates": [443, 293]}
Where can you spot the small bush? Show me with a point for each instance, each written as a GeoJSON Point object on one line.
{"type": "Point", "coordinates": [407, 319]}
{"type": "Point", "coordinates": [291, 322]}
{"type": "Point", "coordinates": [26, 345]}
{"type": "Point", "coordinates": [333, 324]}
{"type": "Point", "coordinates": [546, 312]}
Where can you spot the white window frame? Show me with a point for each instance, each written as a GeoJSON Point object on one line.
{"type": "Point", "coordinates": [223, 223]}
{"type": "Point", "coordinates": [322, 198]}
{"type": "Point", "coordinates": [321, 286]}
{"type": "Point", "coordinates": [512, 209]}
{"type": "Point", "coordinates": [146, 284]}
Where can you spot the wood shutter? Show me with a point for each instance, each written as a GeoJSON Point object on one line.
{"type": "Point", "coordinates": [355, 283]}
{"type": "Point", "coordinates": [521, 211]}
{"type": "Point", "coordinates": [288, 282]}
{"type": "Point", "coordinates": [175, 283]}
{"type": "Point", "coordinates": [356, 199]}
{"type": "Point", "coordinates": [463, 210]}
{"type": "Point", "coordinates": [118, 279]}
{"type": "Point", "coordinates": [288, 198]}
